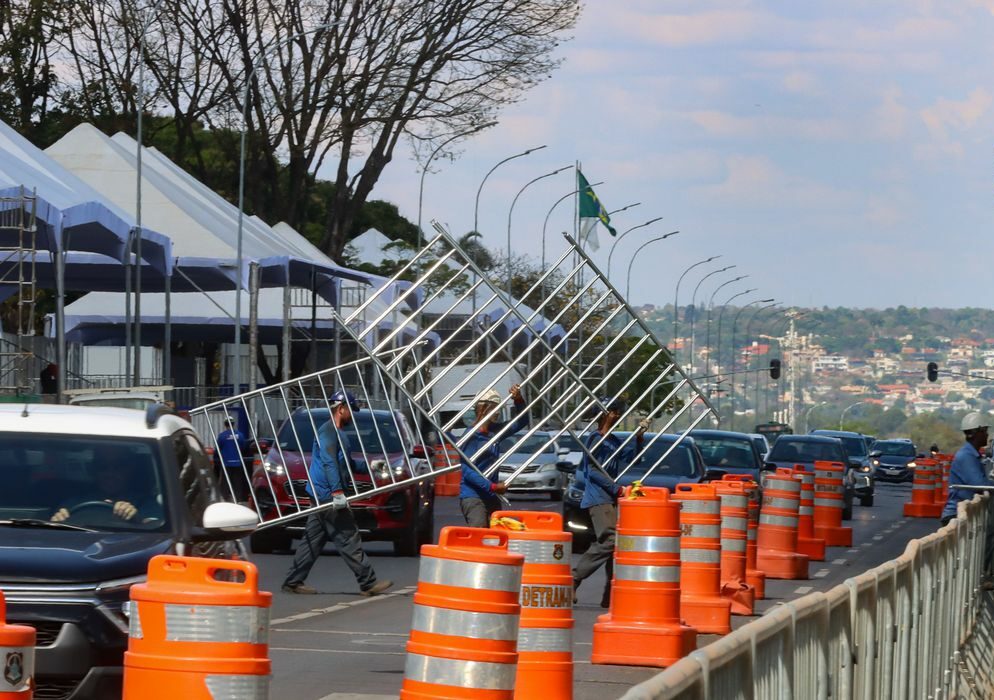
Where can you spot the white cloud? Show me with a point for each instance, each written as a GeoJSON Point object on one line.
{"type": "Point", "coordinates": [948, 119]}
{"type": "Point", "coordinates": [726, 125]}
{"type": "Point", "coordinates": [889, 119]}
{"type": "Point", "coordinates": [801, 82]}
{"type": "Point", "coordinates": [756, 181]}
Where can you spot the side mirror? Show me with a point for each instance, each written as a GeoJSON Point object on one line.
{"type": "Point", "coordinates": [227, 521]}
{"type": "Point", "coordinates": [876, 453]}
{"type": "Point", "coordinates": [769, 466]}
{"type": "Point", "coordinates": [565, 468]}
{"type": "Point", "coordinates": [562, 451]}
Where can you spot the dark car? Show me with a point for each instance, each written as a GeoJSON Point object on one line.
{"type": "Point", "coordinates": [69, 554]}
{"type": "Point", "coordinates": [859, 460]}
{"type": "Point", "coordinates": [683, 465]}
{"type": "Point", "coordinates": [805, 450]}
{"type": "Point", "coordinates": [404, 516]}
{"type": "Point", "coordinates": [727, 452]}
{"type": "Point", "coordinates": [894, 460]}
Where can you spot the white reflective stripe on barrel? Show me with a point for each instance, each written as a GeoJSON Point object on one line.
{"type": "Point", "coordinates": [19, 669]}
{"type": "Point", "coordinates": [920, 486]}
{"type": "Point", "coordinates": [751, 533]}
{"type": "Point", "coordinates": [217, 623]}
{"type": "Point", "coordinates": [470, 574]}
{"type": "Point", "coordinates": [700, 556]}
{"type": "Point", "coordinates": [782, 520]}
{"type": "Point", "coordinates": [700, 506]}
{"type": "Point", "coordinates": [237, 687]}
{"type": "Point", "coordinates": [465, 623]}
{"type": "Point", "coordinates": [731, 545]}
{"type": "Point", "coordinates": [806, 478]}
{"type": "Point", "coordinates": [732, 523]}
{"type": "Point", "coordinates": [806, 510]}
{"type": "Point", "coordinates": [478, 675]}
{"type": "Point", "coordinates": [653, 574]}
{"type": "Point", "coordinates": [134, 620]}
{"type": "Point", "coordinates": [545, 639]}
{"type": "Point", "coordinates": [542, 551]}
{"type": "Point", "coordinates": [695, 530]}
{"type": "Point", "coordinates": [783, 484]}
{"type": "Point", "coordinates": [822, 474]}
{"type": "Point", "coordinates": [773, 502]}
{"type": "Point", "coordinates": [734, 501]}
{"type": "Point", "coordinates": [647, 543]}
{"type": "Point", "coordinates": [828, 503]}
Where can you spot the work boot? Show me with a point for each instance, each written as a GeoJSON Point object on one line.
{"type": "Point", "coordinates": [376, 588]}
{"type": "Point", "coordinates": [298, 588]}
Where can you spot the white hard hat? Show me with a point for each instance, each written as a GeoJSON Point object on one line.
{"type": "Point", "coordinates": [488, 396]}
{"type": "Point", "coordinates": [973, 421]}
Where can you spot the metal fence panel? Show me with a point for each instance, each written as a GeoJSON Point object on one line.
{"type": "Point", "coordinates": [810, 623]}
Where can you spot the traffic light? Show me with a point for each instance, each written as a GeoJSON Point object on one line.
{"type": "Point", "coordinates": [774, 369]}
{"type": "Point", "coordinates": [932, 372]}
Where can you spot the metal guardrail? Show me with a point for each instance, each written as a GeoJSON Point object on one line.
{"type": "Point", "coordinates": [906, 629]}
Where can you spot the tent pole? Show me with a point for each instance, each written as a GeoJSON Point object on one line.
{"type": "Point", "coordinates": [127, 312]}
{"type": "Point", "coordinates": [287, 320]}
{"type": "Point", "coordinates": [338, 330]}
{"type": "Point", "coordinates": [167, 342]}
{"type": "Point", "coordinates": [314, 321]}
{"type": "Point", "coordinates": [60, 323]}
{"type": "Point", "coordinates": [253, 363]}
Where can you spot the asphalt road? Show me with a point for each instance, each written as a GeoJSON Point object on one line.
{"type": "Point", "coordinates": [340, 646]}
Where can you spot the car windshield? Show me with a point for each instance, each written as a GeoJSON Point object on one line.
{"type": "Point", "coordinates": [726, 452]}
{"type": "Point", "coordinates": [788, 450]}
{"type": "Point", "coordinates": [363, 420]}
{"type": "Point", "coordinates": [533, 445]}
{"type": "Point", "coordinates": [680, 462]}
{"type": "Point", "coordinates": [760, 444]}
{"type": "Point", "coordinates": [855, 446]}
{"type": "Point", "coordinates": [569, 442]}
{"type": "Point", "coordinates": [97, 483]}
{"type": "Point", "coordinates": [898, 449]}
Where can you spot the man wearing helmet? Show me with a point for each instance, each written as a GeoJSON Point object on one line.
{"type": "Point", "coordinates": [478, 494]}
{"type": "Point", "coordinates": [329, 456]}
{"type": "Point", "coordinates": [967, 467]}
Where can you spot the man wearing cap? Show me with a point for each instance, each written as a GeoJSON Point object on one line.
{"type": "Point", "coordinates": [600, 492]}
{"type": "Point", "coordinates": [478, 494]}
{"type": "Point", "coordinates": [331, 455]}
{"type": "Point", "coordinates": [230, 443]}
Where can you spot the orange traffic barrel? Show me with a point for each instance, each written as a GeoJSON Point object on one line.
{"type": "Point", "coordinates": [643, 626]}
{"type": "Point", "coordinates": [754, 577]}
{"type": "Point", "coordinates": [734, 510]}
{"type": "Point", "coordinates": [464, 634]}
{"type": "Point", "coordinates": [829, 504]}
{"type": "Point", "coordinates": [199, 630]}
{"type": "Point", "coordinates": [446, 455]}
{"type": "Point", "coordinates": [777, 553]}
{"type": "Point", "coordinates": [807, 543]}
{"type": "Point", "coordinates": [545, 631]}
{"type": "Point", "coordinates": [922, 503]}
{"type": "Point", "coordinates": [17, 653]}
{"type": "Point", "coordinates": [701, 604]}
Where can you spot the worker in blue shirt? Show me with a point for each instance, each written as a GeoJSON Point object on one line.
{"type": "Point", "coordinates": [478, 495]}
{"type": "Point", "coordinates": [600, 492]}
{"type": "Point", "coordinates": [230, 443]}
{"type": "Point", "coordinates": [330, 458]}
{"type": "Point", "coordinates": [968, 469]}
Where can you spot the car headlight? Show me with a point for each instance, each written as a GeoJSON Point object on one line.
{"type": "Point", "coordinates": [912, 465]}
{"type": "Point", "coordinates": [274, 468]}
{"type": "Point", "coordinates": [547, 468]}
{"type": "Point", "coordinates": [875, 462]}
{"type": "Point", "coordinates": [866, 468]}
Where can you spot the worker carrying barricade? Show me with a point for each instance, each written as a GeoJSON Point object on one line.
{"type": "Point", "coordinates": [643, 627]}
{"type": "Point", "coordinates": [829, 504]}
{"type": "Point", "coordinates": [17, 654]}
{"type": "Point", "coordinates": [199, 630]}
{"type": "Point", "coordinates": [807, 543]}
{"type": "Point", "coordinates": [701, 603]}
{"type": "Point", "coordinates": [545, 631]}
{"type": "Point", "coordinates": [464, 634]}
{"type": "Point", "coordinates": [734, 500]}
{"type": "Point", "coordinates": [777, 553]}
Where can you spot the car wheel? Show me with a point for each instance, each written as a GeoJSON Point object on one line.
{"type": "Point", "coordinates": [866, 501]}
{"type": "Point", "coordinates": [273, 539]}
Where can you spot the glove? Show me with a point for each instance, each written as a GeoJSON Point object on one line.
{"type": "Point", "coordinates": [377, 464]}
{"type": "Point", "coordinates": [338, 500]}
{"type": "Point", "coordinates": [499, 487]}
{"type": "Point", "coordinates": [124, 510]}
{"type": "Point", "coordinates": [645, 424]}
{"type": "Point", "coordinates": [60, 515]}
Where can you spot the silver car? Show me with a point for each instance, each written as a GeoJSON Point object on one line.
{"type": "Point", "coordinates": [540, 474]}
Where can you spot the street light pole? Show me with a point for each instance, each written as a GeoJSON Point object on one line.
{"type": "Point", "coordinates": [676, 295]}
{"type": "Point", "coordinates": [237, 380]}
{"type": "Point", "coordinates": [476, 204]}
{"type": "Point", "coordinates": [717, 344]}
{"type": "Point", "coordinates": [628, 283]}
{"type": "Point", "coordinates": [707, 339]}
{"type": "Point", "coordinates": [745, 377]}
{"type": "Point", "coordinates": [549, 214]}
{"type": "Point", "coordinates": [808, 413]}
{"type": "Point", "coordinates": [624, 233]}
{"type": "Point", "coordinates": [511, 211]}
{"type": "Point", "coordinates": [735, 321]}
{"type": "Point", "coordinates": [693, 318]}
{"type": "Point", "coordinates": [846, 409]}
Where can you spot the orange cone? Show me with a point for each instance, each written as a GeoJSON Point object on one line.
{"type": "Point", "coordinates": [829, 503]}
{"type": "Point", "coordinates": [545, 633]}
{"type": "Point", "coordinates": [195, 637]}
{"type": "Point", "coordinates": [734, 500]}
{"type": "Point", "coordinates": [923, 489]}
{"type": "Point", "coordinates": [777, 553]}
{"type": "Point", "coordinates": [17, 654]}
{"type": "Point", "coordinates": [701, 604]}
{"type": "Point", "coordinates": [446, 456]}
{"type": "Point", "coordinates": [643, 627]}
{"type": "Point", "coordinates": [807, 543]}
{"type": "Point", "coordinates": [754, 577]}
{"type": "Point", "coordinates": [464, 634]}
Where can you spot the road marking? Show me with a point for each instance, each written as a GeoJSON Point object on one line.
{"type": "Point", "coordinates": [357, 696]}
{"type": "Point", "coordinates": [803, 589]}
{"type": "Point", "coordinates": [866, 544]}
{"type": "Point", "coordinates": [341, 651]}
{"type": "Point", "coordinates": [852, 551]}
{"type": "Point", "coordinates": [316, 612]}
{"type": "Point", "coordinates": [342, 632]}
{"type": "Point", "coordinates": [839, 562]}
{"type": "Point", "coordinates": [878, 537]}
{"type": "Point", "coordinates": [821, 573]}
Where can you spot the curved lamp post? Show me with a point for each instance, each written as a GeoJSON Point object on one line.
{"type": "Point", "coordinates": [624, 233]}
{"type": "Point", "coordinates": [735, 321]}
{"type": "Point", "coordinates": [476, 205]}
{"type": "Point", "coordinates": [693, 318]}
{"type": "Point", "coordinates": [717, 344]}
{"type": "Point", "coordinates": [808, 413]}
{"type": "Point", "coordinates": [628, 282]}
{"type": "Point", "coordinates": [511, 211]}
{"type": "Point", "coordinates": [846, 409]}
{"type": "Point", "coordinates": [707, 340]}
{"type": "Point", "coordinates": [549, 213]}
{"type": "Point", "coordinates": [676, 294]}
{"type": "Point", "coordinates": [745, 377]}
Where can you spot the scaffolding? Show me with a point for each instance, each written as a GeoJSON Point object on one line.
{"type": "Point", "coordinates": [18, 291]}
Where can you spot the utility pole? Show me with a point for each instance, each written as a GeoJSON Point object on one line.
{"type": "Point", "coordinates": [791, 339]}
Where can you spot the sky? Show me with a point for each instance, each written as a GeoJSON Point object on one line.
{"type": "Point", "coordinates": [837, 151]}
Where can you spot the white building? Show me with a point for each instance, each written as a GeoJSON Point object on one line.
{"type": "Point", "coordinates": [830, 363]}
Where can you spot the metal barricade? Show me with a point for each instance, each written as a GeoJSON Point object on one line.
{"type": "Point", "coordinates": [913, 627]}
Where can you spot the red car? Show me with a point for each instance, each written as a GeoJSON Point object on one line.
{"type": "Point", "coordinates": [404, 516]}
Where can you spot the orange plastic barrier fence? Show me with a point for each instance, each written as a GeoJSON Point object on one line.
{"type": "Point", "coordinates": [17, 654]}
{"type": "Point", "coordinates": [446, 455]}
{"type": "Point", "coordinates": [464, 633]}
{"type": "Point", "coordinates": [923, 490]}
{"type": "Point", "coordinates": [643, 627]}
{"type": "Point", "coordinates": [701, 604]}
{"type": "Point", "coordinates": [545, 633]}
{"type": "Point", "coordinates": [196, 636]}
{"type": "Point", "coordinates": [807, 543]}
{"type": "Point", "coordinates": [829, 504]}
{"type": "Point", "coordinates": [777, 555]}
{"type": "Point", "coordinates": [734, 511]}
